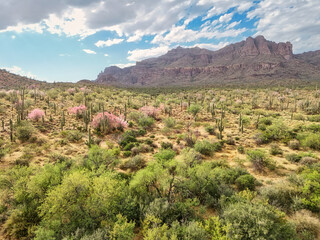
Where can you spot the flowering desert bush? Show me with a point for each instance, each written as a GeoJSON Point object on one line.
{"type": "Point", "coordinates": [71, 91]}
{"type": "Point", "coordinates": [150, 111]}
{"type": "Point", "coordinates": [79, 110]}
{"type": "Point", "coordinates": [110, 120]}
{"type": "Point", "coordinates": [36, 114]}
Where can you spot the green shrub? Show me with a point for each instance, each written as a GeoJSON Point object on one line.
{"type": "Point", "coordinates": [314, 118]}
{"type": "Point", "coordinates": [135, 163]}
{"type": "Point", "coordinates": [169, 122]}
{"type": "Point", "coordinates": [281, 195]}
{"type": "Point", "coordinates": [130, 145]}
{"type": "Point", "coordinates": [190, 156]}
{"type": "Point", "coordinates": [135, 116]}
{"type": "Point", "coordinates": [24, 131]}
{"type": "Point", "coordinates": [98, 157]}
{"type": "Point", "coordinates": [299, 117]}
{"type": "Point", "coordinates": [259, 160]}
{"type": "Point", "coordinates": [210, 129]}
{"type": "Point", "coordinates": [165, 155]}
{"type": "Point", "coordinates": [294, 144]}
{"type": "Point", "coordinates": [126, 154]}
{"type": "Point", "coordinates": [204, 147]}
{"type": "Point", "coordinates": [241, 149]}
{"type": "Point", "coordinates": [257, 221]}
{"type": "Point", "coordinates": [312, 141]}
{"type": "Point", "coordinates": [245, 182]}
{"type": "Point", "coordinates": [127, 137]}
{"type": "Point", "coordinates": [311, 188]}
{"type": "Point", "coordinates": [166, 145]}
{"type": "Point", "coordinates": [194, 109]}
{"type": "Point", "coordinates": [275, 149]}
{"type": "Point", "coordinates": [265, 121]}
{"type": "Point", "coordinates": [146, 122]}
{"type": "Point", "coordinates": [72, 135]}
{"type": "Point", "coordinates": [293, 157]}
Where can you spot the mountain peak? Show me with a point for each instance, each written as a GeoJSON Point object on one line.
{"type": "Point", "coordinates": [251, 59]}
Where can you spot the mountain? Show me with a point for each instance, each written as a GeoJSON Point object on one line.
{"type": "Point", "coordinates": [253, 61]}
{"type": "Point", "coordinates": [10, 80]}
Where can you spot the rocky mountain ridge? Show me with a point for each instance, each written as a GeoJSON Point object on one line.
{"type": "Point", "coordinates": [255, 60]}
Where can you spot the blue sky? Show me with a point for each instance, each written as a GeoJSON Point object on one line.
{"type": "Point", "coordinates": [70, 40]}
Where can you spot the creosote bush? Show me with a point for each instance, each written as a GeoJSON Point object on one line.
{"type": "Point", "coordinates": [24, 131]}
{"type": "Point", "coordinates": [259, 160]}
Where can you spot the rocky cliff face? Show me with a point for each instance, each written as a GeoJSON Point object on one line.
{"type": "Point", "coordinates": [255, 59]}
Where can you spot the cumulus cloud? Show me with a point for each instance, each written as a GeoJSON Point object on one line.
{"type": "Point", "coordinates": [140, 54]}
{"type": "Point", "coordinates": [124, 65]}
{"type": "Point", "coordinates": [296, 21]}
{"type": "Point", "coordinates": [17, 70]}
{"type": "Point", "coordinates": [89, 51]}
{"type": "Point", "coordinates": [279, 20]}
{"type": "Point", "coordinates": [109, 42]}
{"type": "Point", "coordinates": [226, 17]}
{"type": "Point", "coordinates": [179, 34]}
{"type": "Point", "coordinates": [210, 46]}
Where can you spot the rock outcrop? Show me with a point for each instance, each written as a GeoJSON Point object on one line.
{"type": "Point", "coordinates": [253, 60]}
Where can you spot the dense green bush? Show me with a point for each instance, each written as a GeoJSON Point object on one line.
{"type": "Point", "coordinates": [210, 129]}
{"type": "Point", "coordinates": [257, 221]}
{"type": "Point", "coordinates": [24, 131]}
{"type": "Point", "coordinates": [245, 182]}
{"type": "Point", "coordinates": [99, 157]}
{"type": "Point", "coordinates": [135, 163]}
{"type": "Point", "coordinates": [294, 144]}
{"type": "Point", "coordinates": [165, 155]}
{"type": "Point", "coordinates": [128, 137]}
{"type": "Point", "coordinates": [259, 160]}
{"type": "Point", "coordinates": [281, 196]}
{"type": "Point", "coordinates": [194, 109]}
{"type": "Point", "coordinates": [275, 149]}
{"type": "Point", "coordinates": [311, 187]}
{"type": "Point", "coordinates": [166, 145]}
{"type": "Point", "coordinates": [146, 122]}
{"type": "Point", "coordinates": [314, 118]}
{"type": "Point", "coordinates": [204, 147]}
{"type": "Point", "coordinates": [312, 141]}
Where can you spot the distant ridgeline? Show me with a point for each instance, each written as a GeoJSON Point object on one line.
{"type": "Point", "coordinates": [255, 61]}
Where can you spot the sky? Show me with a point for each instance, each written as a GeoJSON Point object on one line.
{"type": "Point", "coordinates": [71, 40]}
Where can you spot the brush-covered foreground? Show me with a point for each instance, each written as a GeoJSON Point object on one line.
{"type": "Point", "coordinates": [103, 163]}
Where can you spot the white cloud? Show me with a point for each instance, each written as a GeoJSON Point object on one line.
{"type": "Point", "coordinates": [17, 70]}
{"type": "Point", "coordinates": [233, 24]}
{"type": "Point", "coordinates": [135, 38]}
{"type": "Point", "coordinates": [106, 54]}
{"type": "Point", "coordinates": [226, 17]}
{"type": "Point", "coordinates": [278, 20]}
{"type": "Point", "coordinates": [210, 46]}
{"type": "Point", "coordinates": [124, 65]}
{"type": "Point", "coordinates": [179, 34]}
{"type": "Point", "coordinates": [109, 42]}
{"type": "Point", "coordinates": [89, 51]}
{"type": "Point", "coordinates": [140, 54]}
{"type": "Point", "coordinates": [296, 21]}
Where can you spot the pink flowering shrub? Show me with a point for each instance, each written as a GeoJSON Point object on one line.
{"type": "Point", "coordinates": [79, 110]}
{"type": "Point", "coordinates": [85, 90]}
{"type": "Point", "coordinates": [111, 121]}
{"type": "Point", "coordinates": [71, 91]}
{"type": "Point", "coordinates": [36, 114]}
{"type": "Point", "coordinates": [150, 111]}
